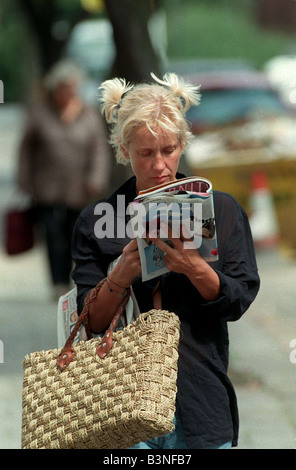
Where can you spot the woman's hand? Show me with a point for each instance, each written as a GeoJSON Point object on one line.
{"type": "Point", "coordinates": [128, 266]}
{"type": "Point", "coordinates": [182, 257]}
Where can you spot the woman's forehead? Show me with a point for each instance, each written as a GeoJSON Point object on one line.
{"type": "Point", "coordinates": [142, 133]}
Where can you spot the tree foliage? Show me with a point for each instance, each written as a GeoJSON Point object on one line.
{"type": "Point", "coordinates": [41, 16]}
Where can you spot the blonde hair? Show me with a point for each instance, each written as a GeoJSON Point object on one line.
{"type": "Point", "coordinates": [157, 105]}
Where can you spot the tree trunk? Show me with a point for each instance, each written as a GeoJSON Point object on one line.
{"type": "Point", "coordinates": [40, 17]}
{"type": "Point", "coordinates": [135, 57]}
{"type": "Point", "coordinates": [277, 14]}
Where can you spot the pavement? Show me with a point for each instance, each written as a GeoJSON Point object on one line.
{"type": "Point", "coordinates": [261, 359]}
{"type": "Point", "coordinates": [27, 324]}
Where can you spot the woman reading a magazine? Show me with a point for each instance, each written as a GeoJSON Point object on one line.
{"type": "Point", "coordinates": [149, 131]}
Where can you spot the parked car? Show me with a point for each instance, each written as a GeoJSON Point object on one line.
{"type": "Point", "coordinates": [281, 71]}
{"type": "Point", "coordinates": [91, 45]}
{"type": "Point", "coordinates": [239, 112]}
{"type": "Point", "coordinates": [204, 66]}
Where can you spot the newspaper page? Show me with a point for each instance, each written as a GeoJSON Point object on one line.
{"type": "Point", "coordinates": [67, 317]}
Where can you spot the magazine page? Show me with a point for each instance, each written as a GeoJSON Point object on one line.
{"type": "Point", "coordinates": [177, 203]}
{"type": "Point", "coordinates": [193, 183]}
{"type": "Point", "coordinates": [152, 261]}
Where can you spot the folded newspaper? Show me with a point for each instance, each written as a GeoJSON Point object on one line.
{"type": "Point", "coordinates": [67, 315]}
{"type": "Point", "coordinates": [186, 205]}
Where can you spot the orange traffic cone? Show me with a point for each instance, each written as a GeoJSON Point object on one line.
{"type": "Point", "coordinates": [263, 219]}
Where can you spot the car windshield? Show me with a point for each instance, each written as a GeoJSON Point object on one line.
{"type": "Point", "coordinates": [220, 107]}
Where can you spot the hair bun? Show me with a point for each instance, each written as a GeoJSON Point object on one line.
{"type": "Point", "coordinates": [111, 94]}
{"type": "Point", "coordinates": [188, 94]}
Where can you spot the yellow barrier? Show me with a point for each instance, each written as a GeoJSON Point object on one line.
{"type": "Point", "coordinates": [281, 174]}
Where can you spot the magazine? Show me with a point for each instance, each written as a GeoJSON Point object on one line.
{"type": "Point", "coordinates": [185, 204]}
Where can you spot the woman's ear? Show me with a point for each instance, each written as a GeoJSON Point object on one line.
{"type": "Point", "coordinates": [125, 152]}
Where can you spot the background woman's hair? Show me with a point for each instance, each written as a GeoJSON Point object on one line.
{"type": "Point", "coordinates": [161, 104]}
{"type": "Point", "coordinates": [64, 71]}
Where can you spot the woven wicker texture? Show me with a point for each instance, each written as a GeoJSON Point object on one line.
{"type": "Point", "coordinates": [109, 403]}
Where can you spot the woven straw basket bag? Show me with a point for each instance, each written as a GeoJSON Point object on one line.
{"type": "Point", "coordinates": [110, 393]}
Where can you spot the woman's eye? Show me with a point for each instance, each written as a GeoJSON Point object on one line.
{"type": "Point", "coordinates": [169, 150]}
{"type": "Point", "coordinates": [145, 153]}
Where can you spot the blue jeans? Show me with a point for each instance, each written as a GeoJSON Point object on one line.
{"type": "Point", "coordinates": [174, 439]}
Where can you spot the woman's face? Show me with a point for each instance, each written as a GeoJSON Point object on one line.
{"type": "Point", "coordinates": [64, 93]}
{"type": "Point", "coordinates": [154, 159]}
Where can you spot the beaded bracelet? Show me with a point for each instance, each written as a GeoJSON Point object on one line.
{"type": "Point", "coordinates": [125, 291]}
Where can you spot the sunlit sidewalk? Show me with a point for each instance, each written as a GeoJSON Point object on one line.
{"type": "Point", "coordinates": [27, 324]}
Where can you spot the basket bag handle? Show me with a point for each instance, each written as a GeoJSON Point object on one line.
{"type": "Point", "coordinates": [68, 353]}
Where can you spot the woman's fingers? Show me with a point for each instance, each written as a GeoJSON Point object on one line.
{"type": "Point", "coordinates": [166, 232]}
{"type": "Point", "coordinates": [131, 246]}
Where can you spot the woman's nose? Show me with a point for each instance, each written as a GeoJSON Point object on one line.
{"type": "Point", "coordinates": [158, 161]}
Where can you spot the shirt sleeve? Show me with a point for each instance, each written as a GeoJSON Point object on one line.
{"type": "Point", "coordinates": [89, 268]}
{"type": "Point", "coordinates": [237, 267]}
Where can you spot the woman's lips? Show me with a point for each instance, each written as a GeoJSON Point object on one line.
{"type": "Point", "coordinates": [160, 179]}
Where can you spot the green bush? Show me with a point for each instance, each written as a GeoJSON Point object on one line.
{"type": "Point", "coordinates": [221, 29]}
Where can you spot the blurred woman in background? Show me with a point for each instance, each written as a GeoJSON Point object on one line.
{"type": "Point", "coordinates": [64, 164]}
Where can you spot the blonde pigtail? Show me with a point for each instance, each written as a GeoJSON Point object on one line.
{"type": "Point", "coordinates": [111, 95]}
{"type": "Point", "coordinates": [188, 94]}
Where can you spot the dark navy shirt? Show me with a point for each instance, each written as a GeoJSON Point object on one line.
{"type": "Point", "coordinates": [205, 394]}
